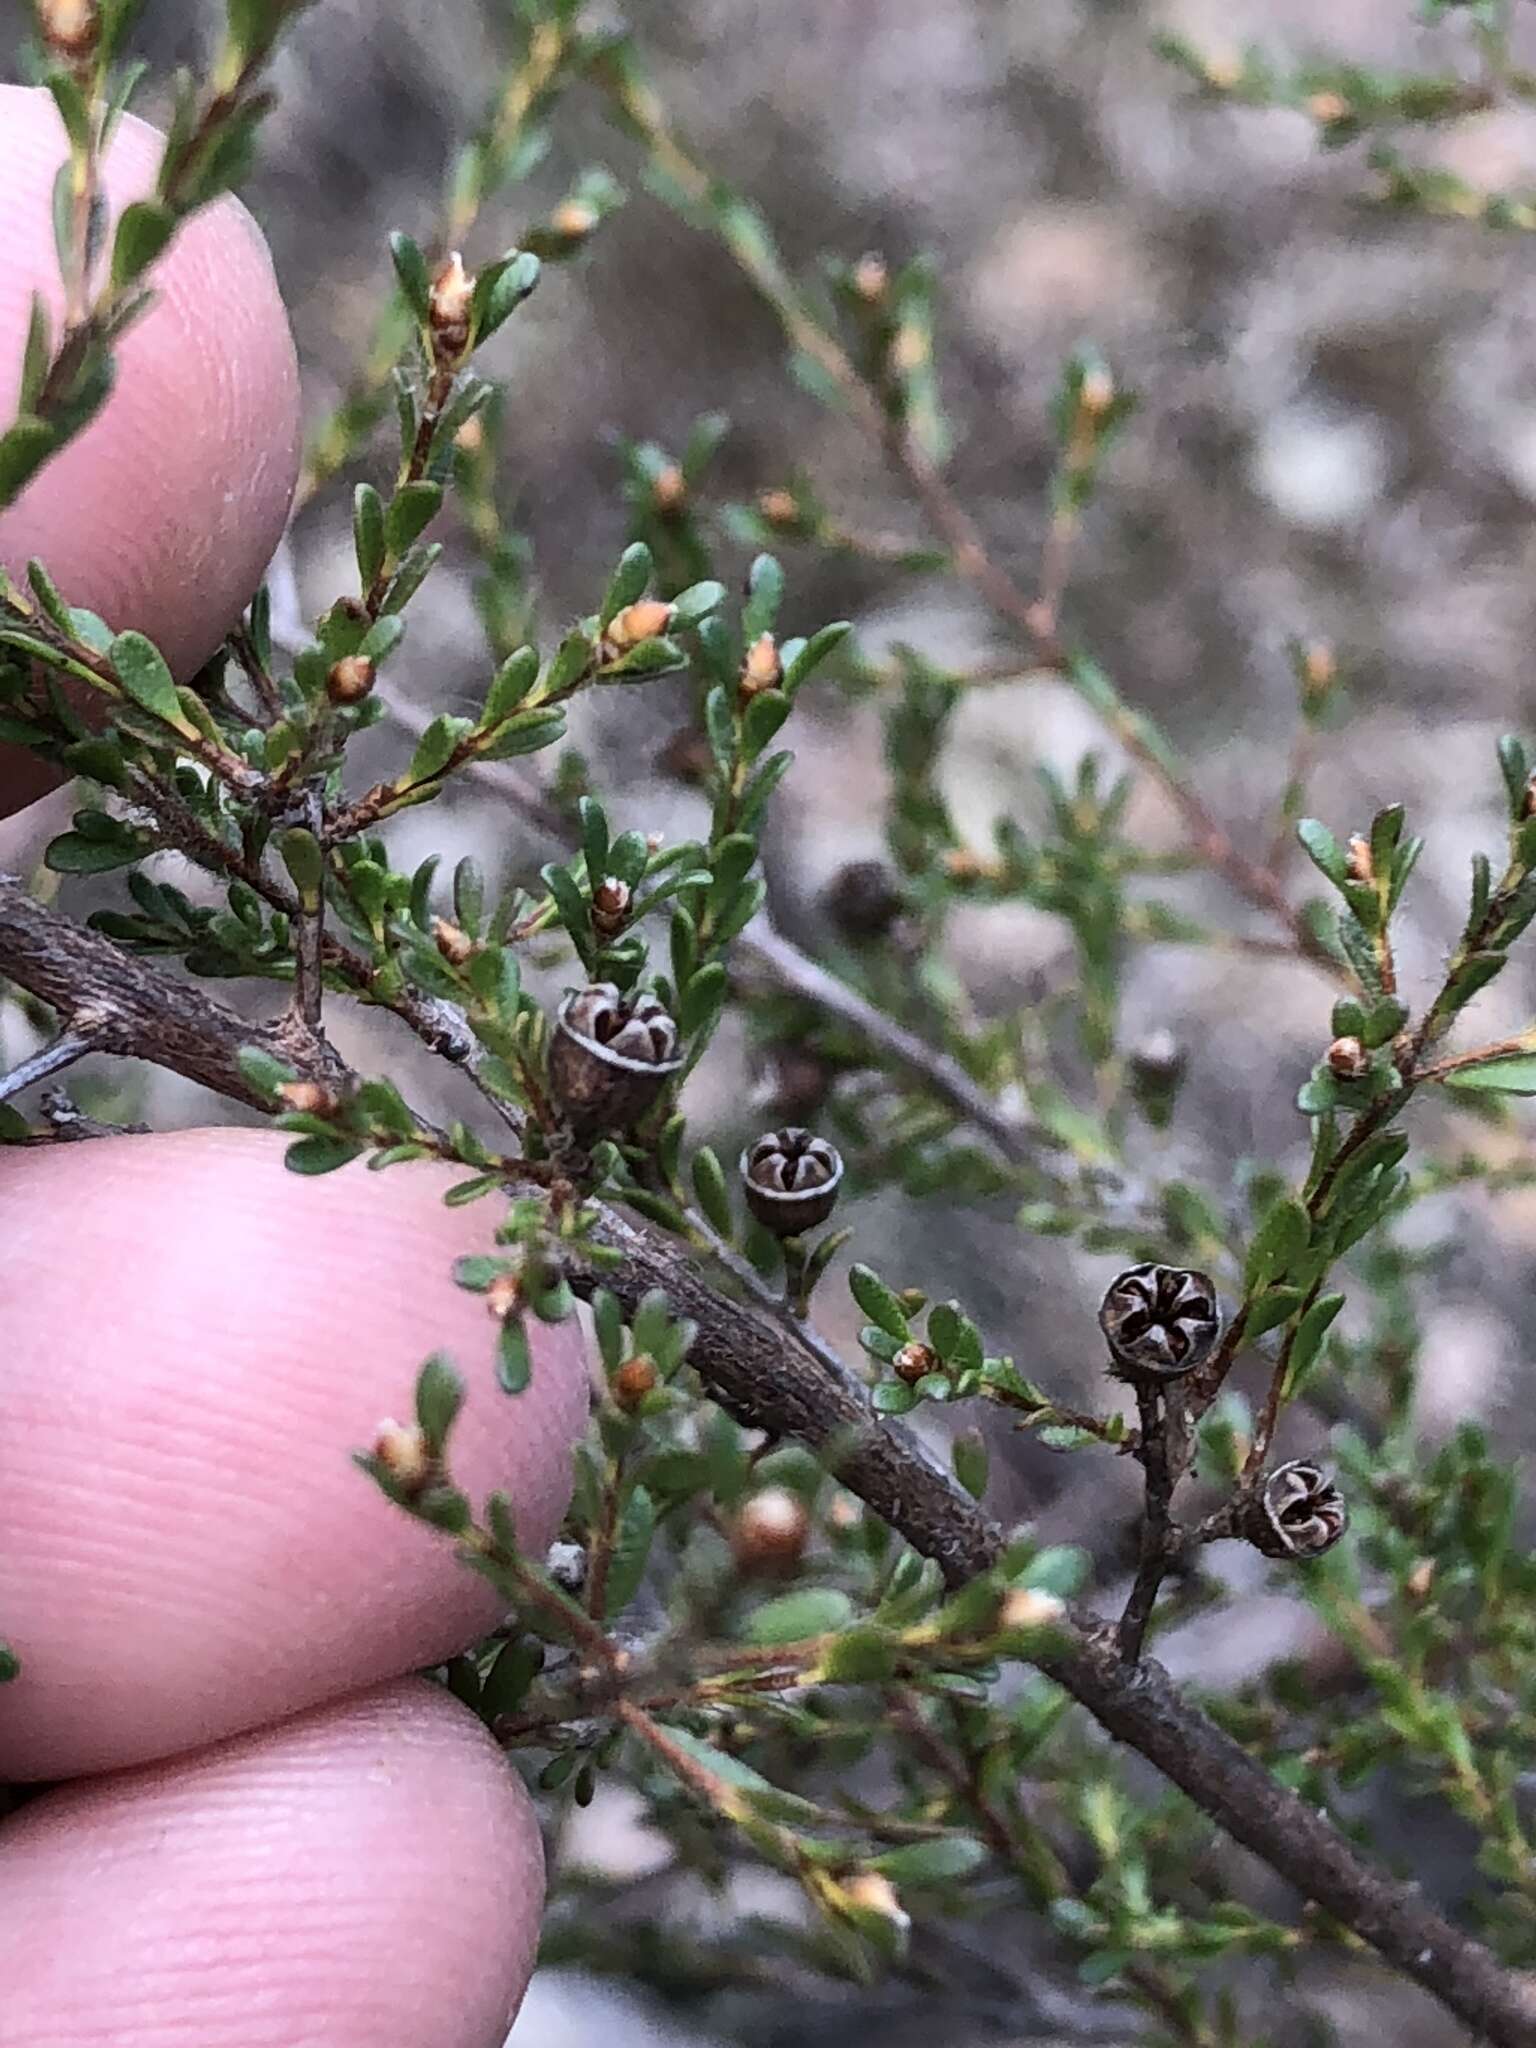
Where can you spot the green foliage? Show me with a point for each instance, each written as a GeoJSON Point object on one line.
{"type": "Point", "coordinates": [726, 1626]}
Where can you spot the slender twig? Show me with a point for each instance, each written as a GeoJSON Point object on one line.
{"type": "Point", "coordinates": [71, 1044]}
{"type": "Point", "coordinates": [749, 1366]}
{"type": "Point", "coordinates": [1157, 1534]}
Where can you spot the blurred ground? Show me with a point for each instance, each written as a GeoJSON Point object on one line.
{"type": "Point", "coordinates": [1337, 438]}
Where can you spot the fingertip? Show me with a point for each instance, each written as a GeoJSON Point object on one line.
{"type": "Point", "coordinates": [369, 1871]}
{"type": "Point", "coordinates": [195, 1343]}
{"type": "Point", "coordinates": [163, 514]}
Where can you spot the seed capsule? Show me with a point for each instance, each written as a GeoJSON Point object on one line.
{"type": "Point", "coordinates": [1297, 1513]}
{"type": "Point", "coordinates": [790, 1179]}
{"type": "Point", "coordinates": [1160, 1321]}
{"type": "Point", "coordinates": [609, 1058]}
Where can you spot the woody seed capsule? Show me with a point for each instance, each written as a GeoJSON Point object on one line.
{"type": "Point", "coordinates": [790, 1179]}
{"type": "Point", "coordinates": [609, 1058]}
{"type": "Point", "coordinates": [1297, 1513]}
{"type": "Point", "coordinates": [1160, 1322]}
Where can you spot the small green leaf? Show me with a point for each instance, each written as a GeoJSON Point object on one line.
{"type": "Point", "coordinates": [10, 1664]}
{"type": "Point", "coordinates": [1066, 1436]}
{"type": "Point", "coordinates": [501, 289]}
{"type": "Point", "coordinates": [143, 231]}
{"type": "Point", "coordinates": [878, 1302]}
{"type": "Point", "coordinates": [1324, 850]}
{"type": "Point", "coordinates": [513, 680]}
{"type": "Point", "coordinates": [305, 862]}
{"type": "Point", "coordinates": [893, 1397]}
{"type": "Point", "coordinates": [24, 448]}
{"type": "Point", "coordinates": [918, 1863]}
{"type": "Point", "coordinates": [955, 1337]}
{"type": "Point", "coordinates": [1516, 1076]}
{"type": "Point", "coordinates": [411, 270]}
{"type": "Point", "coordinates": [802, 665]}
{"type": "Point", "coordinates": [631, 1551]}
{"type": "Point", "coordinates": [320, 1155]}
{"type": "Point", "coordinates": [439, 1397]}
{"type": "Point", "coordinates": [435, 748]}
{"type": "Point", "coordinates": [1276, 1305]}
{"type": "Point", "coordinates": [514, 1357]}
{"type": "Point", "coordinates": [411, 511]}
{"type": "Point", "coordinates": [711, 1191]}
{"type": "Point", "coordinates": [264, 1073]}
{"type": "Point", "coordinates": [696, 602]}
{"type": "Point", "coordinates": [1307, 1344]}
{"type": "Point", "coordinates": [765, 595]}
{"type": "Point", "coordinates": [627, 584]}
{"type": "Point", "coordinates": [368, 532]}
{"type": "Point", "coordinates": [808, 1611]}
{"type": "Point", "coordinates": [968, 1454]}
{"type": "Point", "coordinates": [140, 668]}
{"type": "Point", "coordinates": [1282, 1238]}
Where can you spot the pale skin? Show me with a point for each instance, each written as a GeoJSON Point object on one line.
{"type": "Point", "coordinates": [260, 1829]}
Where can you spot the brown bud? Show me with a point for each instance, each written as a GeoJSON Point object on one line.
{"type": "Point", "coordinates": [962, 864]}
{"type": "Point", "coordinates": [1528, 802]}
{"type": "Point", "coordinates": [574, 219]}
{"type": "Point", "coordinates": [771, 1531]}
{"type": "Point", "coordinates": [871, 277]}
{"type": "Point", "coordinates": [504, 1297]}
{"type": "Point", "coordinates": [1420, 1579]}
{"type": "Point", "coordinates": [909, 350]}
{"type": "Point", "coordinates": [1328, 106]}
{"type": "Point", "coordinates": [1359, 865]}
{"type": "Point", "coordinates": [70, 28]}
{"type": "Point", "coordinates": [864, 899]}
{"type": "Point", "coordinates": [1097, 392]}
{"type": "Point", "coordinates": [610, 907]}
{"type": "Point", "coordinates": [402, 1451]}
{"type": "Point", "coordinates": [633, 1381]}
{"type": "Point", "coordinates": [1348, 1059]}
{"type": "Point", "coordinates": [310, 1098]}
{"type": "Point", "coordinates": [1160, 1321]}
{"type": "Point", "coordinates": [779, 508]}
{"type": "Point", "coordinates": [470, 439]}
{"type": "Point", "coordinates": [669, 491]}
{"type": "Point", "coordinates": [1297, 1513]}
{"type": "Point", "coordinates": [914, 1361]}
{"type": "Point", "coordinates": [762, 669]}
{"type": "Point", "coordinates": [871, 1891]}
{"type": "Point", "coordinates": [609, 1058]}
{"type": "Point", "coordinates": [1319, 667]}
{"type": "Point", "coordinates": [1031, 1607]}
{"type": "Point", "coordinates": [452, 941]}
{"type": "Point", "coordinates": [349, 679]}
{"type": "Point", "coordinates": [450, 307]}
{"type": "Point", "coordinates": [645, 620]}
{"type": "Point", "coordinates": [790, 1179]}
